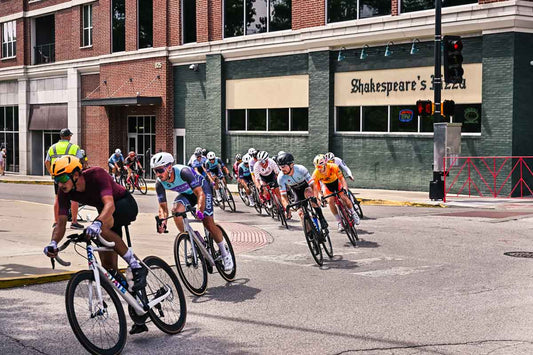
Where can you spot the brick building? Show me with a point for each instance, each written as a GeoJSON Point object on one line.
{"type": "Point", "coordinates": [307, 76]}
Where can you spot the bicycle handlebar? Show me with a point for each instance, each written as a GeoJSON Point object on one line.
{"type": "Point", "coordinates": [333, 194]}
{"type": "Point", "coordinates": [159, 220]}
{"type": "Point", "coordinates": [78, 238]}
{"type": "Point", "coordinates": [299, 203]}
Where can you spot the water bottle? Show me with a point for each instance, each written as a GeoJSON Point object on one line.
{"type": "Point", "coordinates": [129, 279]}
{"type": "Point", "coordinates": [315, 221]}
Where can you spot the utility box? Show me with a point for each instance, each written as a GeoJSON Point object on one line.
{"type": "Point", "coordinates": [447, 143]}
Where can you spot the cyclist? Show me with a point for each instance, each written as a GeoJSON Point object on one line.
{"type": "Point", "coordinates": [331, 158]}
{"type": "Point", "coordinates": [198, 164]}
{"type": "Point", "coordinates": [331, 177]}
{"type": "Point", "coordinates": [238, 160]}
{"type": "Point", "coordinates": [116, 208]}
{"type": "Point", "coordinates": [197, 152]}
{"type": "Point", "coordinates": [116, 162]}
{"type": "Point", "coordinates": [204, 152]}
{"type": "Point", "coordinates": [84, 160]}
{"type": "Point", "coordinates": [299, 180]}
{"type": "Point", "coordinates": [193, 190]}
{"type": "Point", "coordinates": [266, 172]}
{"type": "Point", "coordinates": [252, 152]}
{"type": "Point", "coordinates": [133, 164]}
{"type": "Point", "coordinates": [214, 168]}
{"type": "Point", "coordinates": [244, 175]}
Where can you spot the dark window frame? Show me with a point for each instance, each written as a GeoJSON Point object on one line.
{"type": "Point", "coordinates": [357, 7]}
{"type": "Point", "coordinates": [268, 111]}
{"type": "Point", "coordinates": [145, 21]}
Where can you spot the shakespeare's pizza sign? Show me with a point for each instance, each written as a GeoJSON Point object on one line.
{"type": "Point", "coordinates": [403, 86]}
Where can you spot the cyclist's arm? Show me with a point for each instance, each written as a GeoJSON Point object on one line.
{"type": "Point", "coordinates": [201, 198]}
{"type": "Point", "coordinates": [345, 169]}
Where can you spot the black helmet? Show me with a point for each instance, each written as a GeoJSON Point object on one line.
{"type": "Point", "coordinates": [65, 132]}
{"type": "Point", "coordinates": [285, 159]}
{"type": "Point", "coordinates": [204, 152]}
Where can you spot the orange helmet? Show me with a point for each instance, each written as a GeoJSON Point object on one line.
{"type": "Point", "coordinates": [67, 164]}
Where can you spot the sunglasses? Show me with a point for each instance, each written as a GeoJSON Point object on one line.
{"type": "Point", "coordinates": [320, 166]}
{"type": "Point", "coordinates": [284, 165]}
{"type": "Point", "coordinates": [159, 170]}
{"type": "Point", "coordinates": [63, 178]}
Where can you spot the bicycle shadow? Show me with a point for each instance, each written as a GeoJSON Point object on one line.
{"type": "Point", "coordinates": [234, 292]}
{"type": "Point", "coordinates": [363, 232]}
{"type": "Point", "coordinates": [338, 262]}
{"type": "Point", "coordinates": [362, 243]}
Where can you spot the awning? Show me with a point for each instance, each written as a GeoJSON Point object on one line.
{"type": "Point", "coordinates": [123, 101]}
{"type": "Point", "coordinates": [48, 117]}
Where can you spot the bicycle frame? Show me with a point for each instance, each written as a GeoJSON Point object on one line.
{"type": "Point", "coordinates": [194, 237]}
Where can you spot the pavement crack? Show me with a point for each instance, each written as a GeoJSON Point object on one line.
{"type": "Point", "coordinates": [18, 341]}
{"type": "Point", "coordinates": [418, 346]}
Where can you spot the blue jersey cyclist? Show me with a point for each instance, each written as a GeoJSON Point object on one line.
{"type": "Point", "coordinates": [116, 162]}
{"type": "Point", "coordinates": [198, 163]}
{"type": "Point", "coordinates": [193, 190]}
{"type": "Point", "coordinates": [215, 168]}
{"type": "Point", "coordinates": [296, 177]}
{"type": "Point", "coordinates": [244, 176]}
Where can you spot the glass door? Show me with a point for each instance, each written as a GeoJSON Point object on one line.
{"type": "Point", "coordinates": [141, 139]}
{"type": "Point", "coordinates": [49, 138]}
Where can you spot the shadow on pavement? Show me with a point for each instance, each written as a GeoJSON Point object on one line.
{"type": "Point", "coordinates": [234, 292]}
{"type": "Point", "coordinates": [338, 262]}
{"type": "Point", "coordinates": [20, 270]}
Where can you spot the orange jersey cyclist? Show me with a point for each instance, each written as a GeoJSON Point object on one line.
{"type": "Point", "coordinates": [330, 176]}
{"type": "Point", "coordinates": [193, 190]}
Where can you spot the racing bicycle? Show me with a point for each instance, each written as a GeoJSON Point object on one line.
{"type": "Point", "coordinates": [347, 220]}
{"type": "Point", "coordinates": [274, 205]}
{"type": "Point", "coordinates": [94, 310]}
{"type": "Point", "coordinates": [136, 181]}
{"type": "Point", "coordinates": [196, 255]}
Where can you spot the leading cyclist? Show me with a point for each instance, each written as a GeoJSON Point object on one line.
{"type": "Point", "coordinates": [193, 190]}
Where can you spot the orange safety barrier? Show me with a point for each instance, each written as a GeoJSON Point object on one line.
{"type": "Point", "coordinates": [488, 176]}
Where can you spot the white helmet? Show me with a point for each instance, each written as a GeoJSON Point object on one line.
{"type": "Point", "coordinates": [320, 160]}
{"type": "Point", "coordinates": [329, 156]}
{"type": "Point", "coordinates": [281, 152]}
{"type": "Point", "coordinates": [252, 152]}
{"type": "Point", "coordinates": [211, 155]}
{"type": "Point", "coordinates": [198, 151]}
{"type": "Point", "coordinates": [161, 159]}
{"type": "Point", "coordinates": [246, 158]}
{"type": "Point", "coordinates": [118, 151]}
{"type": "Point", "coordinates": [262, 155]}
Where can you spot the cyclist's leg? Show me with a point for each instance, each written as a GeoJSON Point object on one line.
{"type": "Point", "coordinates": [129, 173]}
{"type": "Point", "coordinates": [180, 205]}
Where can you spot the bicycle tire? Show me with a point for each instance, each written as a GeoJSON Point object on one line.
{"type": "Point", "coordinates": [356, 204]}
{"type": "Point", "coordinates": [258, 205]}
{"type": "Point", "coordinates": [142, 186]}
{"type": "Point", "coordinates": [311, 237]}
{"type": "Point", "coordinates": [97, 320]}
{"type": "Point", "coordinates": [164, 314]}
{"type": "Point", "coordinates": [185, 264]}
{"type": "Point", "coordinates": [230, 200]}
{"type": "Point", "coordinates": [242, 194]}
{"type": "Point", "coordinates": [122, 181]}
{"type": "Point", "coordinates": [345, 220]}
{"type": "Point", "coordinates": [222, 202]}
{"type": "Point", "coordinates": [228, 276]}
{"type": "Point", "coordinates": [326, 244]}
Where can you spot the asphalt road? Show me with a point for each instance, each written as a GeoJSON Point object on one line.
{"type": "Point", "coordinates": [421, 281]}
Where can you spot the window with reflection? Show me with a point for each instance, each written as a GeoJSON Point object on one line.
{"type": "Point", "coordinates": [294, 119]}
{"type": "Point", "coordinates": [348, 118]}
{"type": "Point", "coordinates": [248, 17]}
{"type": "Point", "coordinates": [118, 25]}
{"type": "Point", "coordinates": [9, 39]}
{"type": "Point", "coordinates": [418, 5]}
{"type": "Point", "coordinates": [87, 23]}
{"type": "Point", "coordinates": [189, 21]}
{"type": "Point", "coordinates": [146, 23]}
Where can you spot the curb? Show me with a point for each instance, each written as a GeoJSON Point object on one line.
{"type": "Point", "coordinates": [30, 182]}
{"type": "Point", "coordinates": [370, 202]}
{"type": "Point", "coordinates": [10, 282]}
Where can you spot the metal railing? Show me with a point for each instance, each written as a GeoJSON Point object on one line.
{"type": "Point", "coordinates": [510, 176]}
{"type": "Point", "coordinates": [45, 53]}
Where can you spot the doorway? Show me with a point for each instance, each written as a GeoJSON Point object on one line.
{"type": "Point", "coordinates": [141, 139]}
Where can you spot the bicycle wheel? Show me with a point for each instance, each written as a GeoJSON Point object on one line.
{"type": "Point", "coordinates": [217, 256]}
{"type": "Point", "coordinates": [229, 199]}
{"type": "Point", "coordinates": [141, 185]}
{"type": "Point", "coordinates": [122, 182]}
{"type": "Point", "coordinates": [170, 314]}
{"type": "Point", "coordinates": [282, 216]}
{"type": "Point", "coordinates": [326, 243]}
{"type": "Point", "coordinates": [258, 205]}
{"type": "Point", "coordinates": [311, 237]}
{"type": "Point", "coordinates": [242, 194]}
{"type": "Point", "coordinates": [347, 225]}
{"type": "Point", "coordinates": [101, 329]}
{"type": "Point", "coordinates": [222, 202]}
{"type": "Point", "coordinates": [192, 271]}
{"type": "Point", "coordinates": [356, 204]}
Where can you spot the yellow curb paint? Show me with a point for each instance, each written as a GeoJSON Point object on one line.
{"type": "Point", "coordinates": [10, 282]}
{"type": "Point", "coordinates": [27, 182]}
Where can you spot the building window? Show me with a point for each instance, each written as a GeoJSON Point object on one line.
{"type": "Point", "coordinates": [256, 16]}
{"type": "Point", "coordinates": [118, 24]}
{"type": "Point", "coordinates": [9, 39]}
{"type": "Point", "coordinates": [346, 10]}
{"type": "Point", "coordinates": [417, 5]}
{"type": "Point", "coordinates": [401, 119]}
{"type": "Point", "coordinates": [146, 23]}
{"type": "Point", "coordinates": [9, 136]}
{"type": "Point", "coordinates": [189, 21]}
{"type": "Point", "coordinates": [272, 119]}
{"type": "Point", "coordinates": [87, 22]}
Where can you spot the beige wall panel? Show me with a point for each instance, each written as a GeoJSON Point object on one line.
{"type": "Point", "coordinates": [403, 87]}
{"type": "Point", "coordinates": [274, 92]}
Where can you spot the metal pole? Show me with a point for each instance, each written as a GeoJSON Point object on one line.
{"type": "Point", "coordinates": [437, 79]}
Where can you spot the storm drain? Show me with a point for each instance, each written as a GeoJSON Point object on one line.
{"type": "Point", "coordinates": [519, 254]}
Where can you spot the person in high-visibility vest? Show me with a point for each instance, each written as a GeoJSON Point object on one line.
{"type": "Point", "coordinates": [57, 150]}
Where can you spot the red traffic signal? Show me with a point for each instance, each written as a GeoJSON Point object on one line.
{"type": "Point", "coordinates": [453, 59]}
{"type": "Point", "coordinates": [424, 108]}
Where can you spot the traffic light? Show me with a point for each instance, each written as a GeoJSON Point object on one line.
{"type": "Point", "coordinates": [424, 108]}
{"type": "Point", "coordinates": [448, 108]}
{"type": "Point", "coordinates": [453, 60]}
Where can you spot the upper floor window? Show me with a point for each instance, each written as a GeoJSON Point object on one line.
{"type": "Point", "coordinates": [346, 10]}
{"type": "Point", "coordinates": [146, 23]}
{"type": "Point", "coordinates": [118, 25]}
{"type": "Point", "coordinates": [417, 5]}
{"type": "Point", "coordinates": [246, 17]}
{"type": "Point", "coordinates": [189, 21]}
{"type": "Point", "coordinates": [9, 39]}
{"type": "Point", "coordinates": [87, 22]}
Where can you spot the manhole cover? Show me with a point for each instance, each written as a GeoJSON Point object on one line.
{"type": "Point", "coordinates": [519, 254]}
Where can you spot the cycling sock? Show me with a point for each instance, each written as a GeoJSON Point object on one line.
{"type": "Point", "coordinates": [352, 211]}
{"type": "Point", "coordinates": [130, 259]}
{"type": "Point", "coordinates": [222, 249]}
{"type": "Point", "coordinates": [338, 218]}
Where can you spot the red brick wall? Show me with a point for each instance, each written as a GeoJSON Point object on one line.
{"type": "Point", "coordinates": [174, 22]}
{"type": "Point", "coordinates": [8, 7]}
{"type": "Point", "coordinates": [308, 13]}
{"type": "Point", "coordinates": [202, 21]}
{"type": "Point", "coordinates": [131, 25]}
{"type": "Point", "coordinates": [215, 19]}
{"type": "Point", "coordinates": [94, 124]}
{"type": "Point", "coordinates": [394, 8]}
{"type": "Point", "coordinates": [160, 21]}
{"type": "Point", "coordinates": [63, 33]}
{"type": "Point", "coordinates": [43, 4]}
